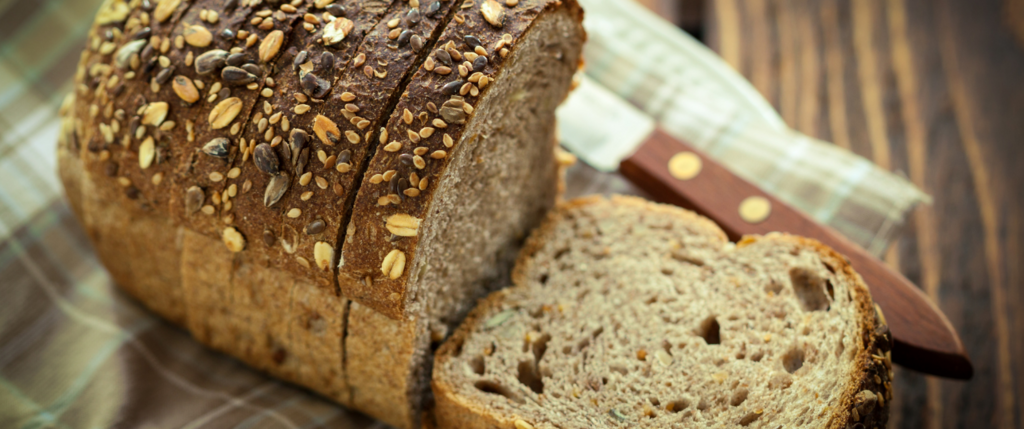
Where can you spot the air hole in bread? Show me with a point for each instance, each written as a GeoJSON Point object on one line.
{"type": "Point", "coordinates": [597, 332]}
{"type": "Point", "coordinates": [655, 401]}
{"type": "Point", "coordinates": [840, 347]}
{"type": "Point", "coordinates": [677, 405]}
{"type": "Point", "coordinates": [496, 388]}
{"type": "Point", "coordinates": [543, 279]}
{"type": "Point", "coordinates": [830, 290]}
{"type": "Point", "coordinates": [622, 370]}
{"type": "Point", "coordinates": [560, 253]}
{"type": "Point", "coordinates": [651, 300]}
{"type": "Point", "coordinates": [530, 377]}
{"type": "Point", "coordinates": [710, 331]}
{"type": "Point", "coordinates": [667, 271]}
{"type": "Point", "coordinates": [757, 356]}
{"type": "Point", "coordinates": [583, 344]}
{"type": "Point", "coordinates": [809, 289]}
{"type": "Point", "coordinates": [540, 346]}
{"type": "Point", "coordinates": [749, 418]}
{"type": "Point", "coordinates": [793, 359]}
{"type": "Point", "coordinates": [477, 364]}
{"type": "Point", "coordinates": [739, 397]}
{"type": "Point", "coordinates": [773, 287]}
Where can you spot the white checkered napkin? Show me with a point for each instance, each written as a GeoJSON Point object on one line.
{"type": "Point", "coordinates": [698, 98]}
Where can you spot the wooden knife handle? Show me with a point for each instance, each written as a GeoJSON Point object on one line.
{"type": "Point", "coordinates": [924, 338]}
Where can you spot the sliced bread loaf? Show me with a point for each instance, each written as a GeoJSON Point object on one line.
{"type": "Point", "coordinates": [158, 158]}
{"type": "Point", "coordinates": [627, 313]}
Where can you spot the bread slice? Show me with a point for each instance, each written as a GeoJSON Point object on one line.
{"type": "Point", "coordinates": [465, 168]}
{"type": "Point", "coordinates": [627, 313]}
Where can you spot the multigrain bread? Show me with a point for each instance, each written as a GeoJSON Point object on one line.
{"type": "Point", "coordinates": [161, 158]}
{"type": "Point", "coordinates": [627, 313]}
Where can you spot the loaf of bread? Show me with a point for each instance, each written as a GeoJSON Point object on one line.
{"type": "Point", "coordinates": [321, 188]}
{"type": "Point", "coordinates": [627, 314]}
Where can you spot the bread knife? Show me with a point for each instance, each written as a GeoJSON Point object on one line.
{"type": "Point", "coordinates": [609, 134]}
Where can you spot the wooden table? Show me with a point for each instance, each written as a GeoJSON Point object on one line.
{"type": "Point", "coordinates": [933, 90]}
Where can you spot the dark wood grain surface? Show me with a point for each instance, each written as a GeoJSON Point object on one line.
{"type": "Point", "coordinates": [933, 90]}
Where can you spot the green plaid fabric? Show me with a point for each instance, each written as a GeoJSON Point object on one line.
{"type": "Point", "coordinates": [74, 352]}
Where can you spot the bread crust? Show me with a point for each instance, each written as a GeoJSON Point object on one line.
{"type": "Point", "coordinates": [863, 402]}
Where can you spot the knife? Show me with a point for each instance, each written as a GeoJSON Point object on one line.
{"type": "Point", "coordinates": [610, 134]}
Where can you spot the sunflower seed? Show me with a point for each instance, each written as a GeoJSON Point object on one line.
{"type": "Point", "coordinates": [217, 147]}
{"type": "Point", "coordinates": [275, 189]}
{"type": "Point", "coordinates": [300, 166]}
{"type": "Point", "coordinates": [210, 61]}
{"type": "Point", "coordinates": [443, 57]}
{"type": "Point", "coordinates": [237, 59]}
{"type": "Point", "coordinates": [479, 63]}
{"type": "Point", "coordinates": [404, 37]}
{"type": "Point", "coordinates": [164, 75]}
{"type": "Point", "coordinates": [236, 76]}
{"type": "Point", "coordinates": [315, 227]}
{"type": "Point", "coordinates": [124, 55]}
{"type": "Point", "coordinates": [433, 8]}
{"type": "Point", "coordinates": [252, 68]}
{"type": "Point", "coordinates": [345, 156]}
{"type": "Point", "coordinates": [297, 142]}
{"type": "Point", "coordinates": [451, 88]}
{"type": "Point", "coordinates": [413, 17]}
{"type": "Point", "coordinates": [300, 59]}
{"type": "Point", "coordinates": [327, 61]}
{"type": "Point", "coordinates": [266, 159]}
{"type": "Point", "coordinates": [336, 10]}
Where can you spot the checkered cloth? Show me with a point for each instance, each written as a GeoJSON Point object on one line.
{"type": "Point", "coordinates": [74, 352]}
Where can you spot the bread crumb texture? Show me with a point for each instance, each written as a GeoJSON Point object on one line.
{"type": "Point", "coordinates": [631, 314]}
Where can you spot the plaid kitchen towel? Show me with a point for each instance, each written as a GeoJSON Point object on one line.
{"type": "Point", "coordinates": [74, 352]}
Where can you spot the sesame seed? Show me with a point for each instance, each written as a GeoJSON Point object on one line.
{"type": "Point", "coordinates": [294, 213]}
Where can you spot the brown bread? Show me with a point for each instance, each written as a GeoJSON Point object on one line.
{"type": "Point", "coordinates": [160, 162]}
{"type": "Point", "coordinates": [631, 314]}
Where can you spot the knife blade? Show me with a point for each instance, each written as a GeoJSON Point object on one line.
{"type": "Point", "coordinates": [609, 134]}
